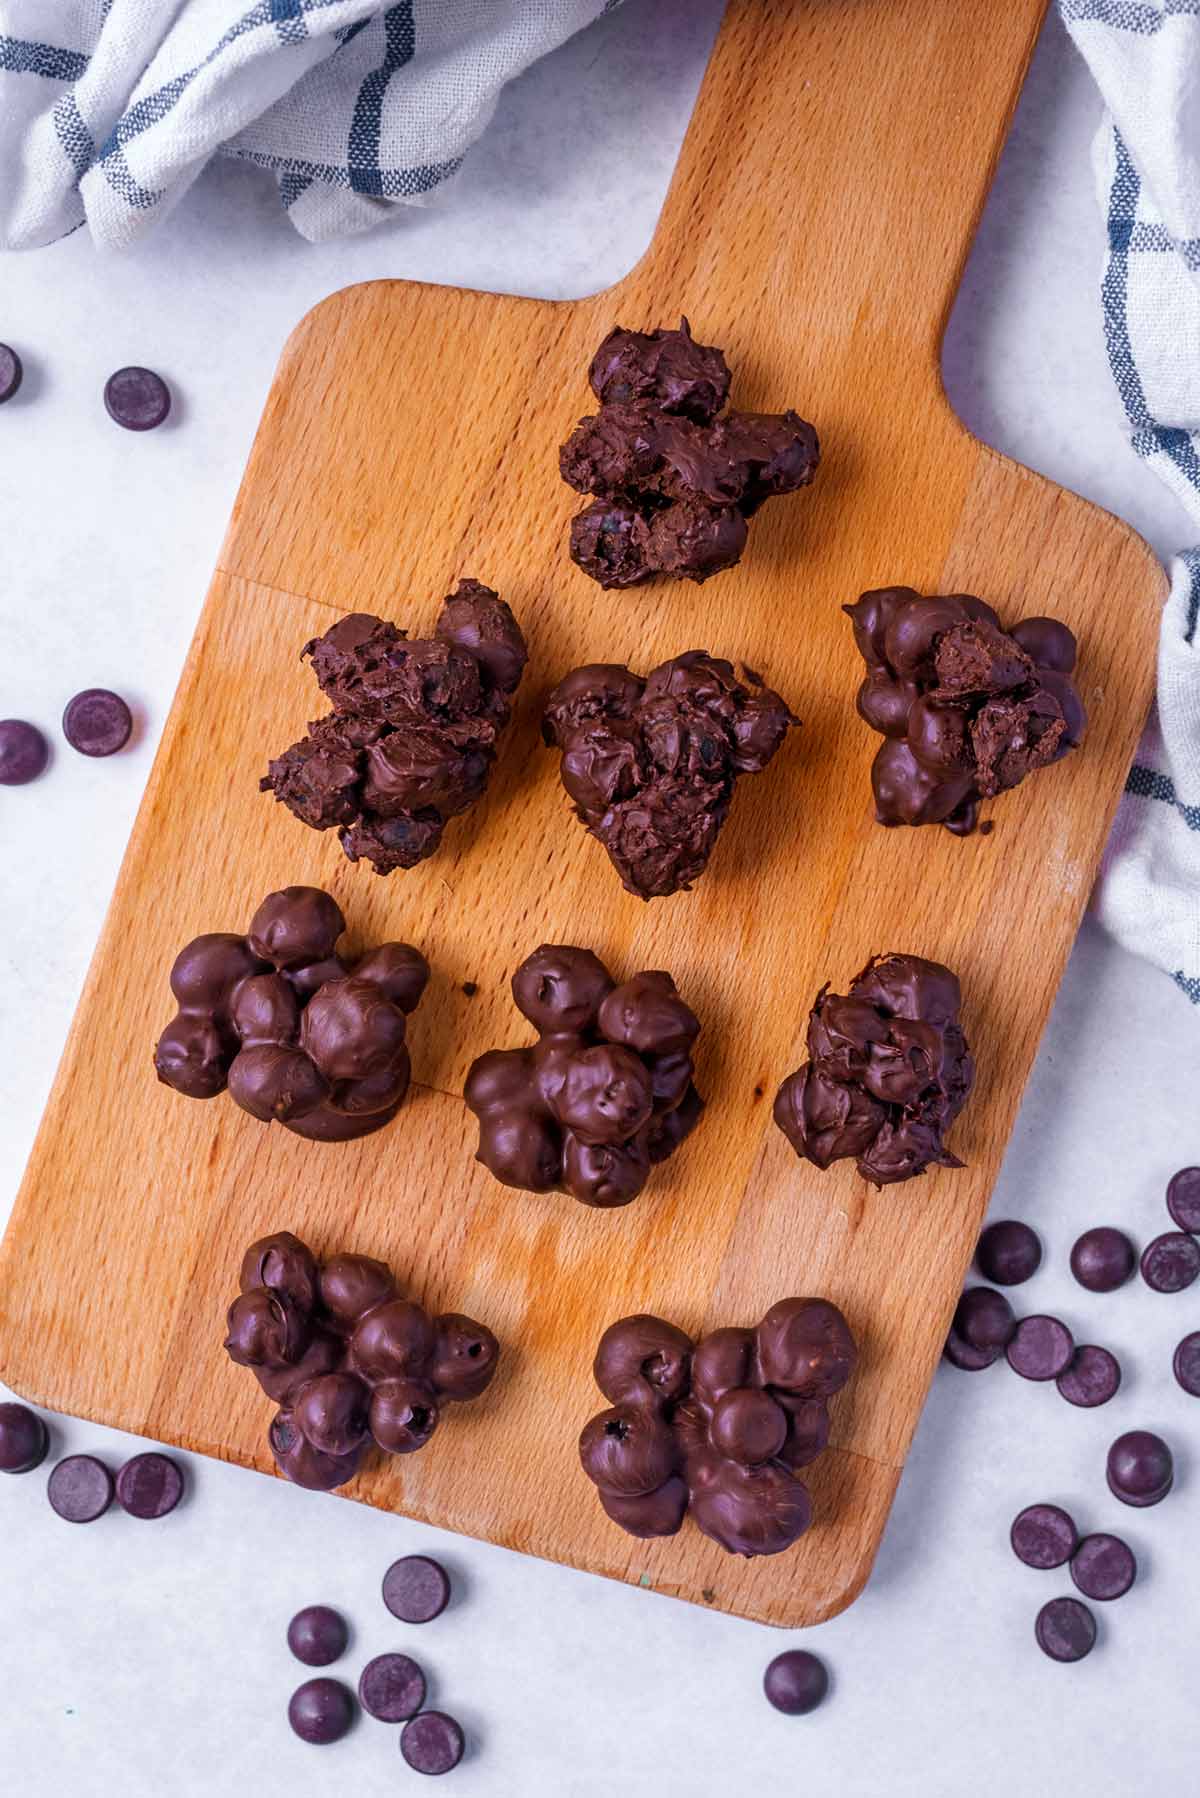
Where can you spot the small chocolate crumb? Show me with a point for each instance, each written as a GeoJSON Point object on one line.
{"type": "Point", "coordinates": [470, 988]}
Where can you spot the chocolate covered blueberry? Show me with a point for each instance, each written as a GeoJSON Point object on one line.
{"type": "Point", "coordinates": [674, 483]}
{"type": "Point", "coordinates": [412, 736]}
{"type": "Point", "coordinates": [966, 709]}
{"type": "Point", "coordinates": [888, 1072]}
{"type": "Point", "coordinates": [651, 764]}
{"type": "Point", "coordinates": [604, 1093]}
{"type": "Point", "coordinates": [298, 1035]}
{"type": "Point", "coordinates": [351, 1364]}
{"type": "Point", "coordinates": [720, 1427]}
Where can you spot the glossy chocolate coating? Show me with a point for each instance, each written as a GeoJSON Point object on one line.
{"type": "Point", "coordinates": [651, 764]}
{"type": "Point", "coordinates": [966, 709]}
{"type": "Point", "coordinates": [412, 736]}
{"type": "Point", "coordinates": [674, 483]}
{"type": "Point", "coordinates": [299, 1036]}
{"type": "Point", "coordinates": [1140, 1468]}
{"type": "Point", "coordinates": [604, 1093]}
{"type": "Point", "coordinates": [719, 1427]}
{"type": "Point", "coordinates": [889, 1071]}
{"type": "Point", "coordinates": [1103, 1258]}
{"type": "Point", "coordinates": [318, 1635]}
{"type": "Point", "coordinates": [321, 1711]}
{"type": "Point", "coordinates": [351, 1364]}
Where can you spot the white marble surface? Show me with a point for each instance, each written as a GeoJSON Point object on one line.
{"type": "Point", "coordinates": [150, 1660]}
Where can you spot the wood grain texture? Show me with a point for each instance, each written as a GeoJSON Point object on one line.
{"type": "Point", "coordinates": [816, 228]}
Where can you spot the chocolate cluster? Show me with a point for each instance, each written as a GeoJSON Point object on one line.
{"type": "Point", "coordinates": [675, 483]}
{"type": "Point", "coordinates": [720, 1428]}
{"type": "Point", "coordinates": [604, 1094]}
{"type": "Point", "coordinates": [651, 764]}
{"type": "Point", "coordinates": [351, 1364]}
{"type": "Point", "coordinates": [299, 1034]}
{"type": "Point", "coordinates": [966, 708]}
{"type": "Point", "coordinates": [412, 736]}
{"type": "Point", "coordinates": [889, 1071]}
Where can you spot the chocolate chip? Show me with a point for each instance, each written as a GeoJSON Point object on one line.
{"type": "Point", "coordinates": [150, 1485]}
{"type": "Point", "coordinates": [984, 1318]}
{"type": "Point", "coordinates": [391, 1688]}
{"type": "Point", "coordinates": [24, 1439]}
{"type": "Point", "coordinates": [321, 1710]}
{"type": "Point", "coordinates": [1065, 1629]}
{"type": "Point", "coordinates": [1140, 1469]}
{"type": "Point", "coordinates": [1008, 1253]}
{"type": "Point", "coordinates": [1183, 1198]}
{"type": "Point", "coordinates": [80, 1489]}
{"type": "Point", "coordinates": [11, 372]}
{"type": "Point", "coordinates": [136, 398]}
{"type": "Point", "coordinates": [1043, 1536]}
{"type": "Point", "coordinates": [97, 722]}
{"type": "Point", "coordinates": [795, 1682]}
{"type": "Point", "coordinates": [432, 1742]}
{"type": "Point", "coordinates": [1103, 1567]}
{"type": "Point", "coordinates": [1103, 1259]}
{"type": "Point", "coordinates": [416, 1589]}
{"type": "Point", "coordinates": [962, 1354]}
{"type": "Point", "coordinates": [1041, 1349]}
{"type": "Point", "coordinates": [317, 1635]}
{"type": "Point", "coordinates": [1171, 1262]}
{"type": "Point", "coordinates": [24, 752]}
{"type": "Point", "coordinates": [1092, 1378]}
{"type": "Point", "coordinates": [1186, 1363]}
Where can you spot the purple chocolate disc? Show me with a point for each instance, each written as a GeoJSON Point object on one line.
{"type": "Point", "coordinates": [1043, 1536]}
{"type": "Point", "coordinates": [24, 752]}
{"type": "Point", "coordinates": [1103, 1567]}
{"type": "Point", "coordinates": [1092, 1378]}
{"type": "Point", "coordinates": [795, 1682]}
{"type": "Point", "coordinates": [97, 722]}
{"type": "Point", "coordinates": [432, 1743]}
{"type": "Point", "coordinates": [1141, 1469]}
{"type": "Point", "coordinates": [1183, 1198]}
{"type": "Point", "coordinates": [317, 1635]}
{"type": "Point", "coordinates": [1171, 1262]}
{"type": "Point", "coordinates": [416, 1589]}
{"type": "Point", "coordinates": [24, 1439]}
{"type": "Point", "coordinates": [80, 1489]}
{"type": "Point", "coordinates": [1187, 1363]}
{"type": "Point", "coordinates": [1008, 1253]}
{"type": "Point", "coordinates": [136, 398]}
{"type": "Point", "coordinates": [960, 1353]}
{"type": "Point", "coordinates": [1103, 1259]}
{"type": "Point", "coordinates": [984, 1318]}
{"type": "Point", "coordinates": [321, 1710]}
{"type": "Point", "coordinates": [392, 1688]}
{"type": "Point", "coordinates": [1041, 1349]}
{"type": "Point", "coordinates": [11, 372]}
{"type": "Point", "coordinates": [1065, 1629]}
{"type": "Point", "coordinates": [150, 1485]}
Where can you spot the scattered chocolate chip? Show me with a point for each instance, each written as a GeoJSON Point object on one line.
{"type": "Point", "coordinates": [391, 1688]}
{"type": "Point", "coordinates": [11, 372]}
{"type": "Point", "coordinates": [24, 752]}
{"type": "Point", "coordinates": [984, 1318]}
{"type": "Point", "coordinates": [416, 1589]}
{"type": "Point", "coordinates": [137, 399]}
{"type": "Point", "coordinates": [1092, 1378]}
{"type": "Point", "coordinates": [1008, 1253]}
{"type": "Point", "coordinates": [97, 722]}
{"type": "Point", "coordinates": [318, 1635]}
{"type": "Point", "coordinates": [795, 1682]}
{"type": "Point", "coordinates": [1140, 1469]}
{"type": "Point", "coordinates": [80, 1489]}
{"type": "Point", "coordinates": [321, 1710]}
{"type": "Point", "coordinates": [1171, 1262]}
{"type": "Point", "coordinates": [1065, 1629]}
{"type": "Point", "coordinates": [1103, 1567]}
{"type": "Point", "coordinates": [1044, 1536]}
{"type": "Point", "coordinates": [1041, 1349]}
{"type": "Point", "coordinates": [964, 1355]}
{"type": "Point", "coordinates": [149, 1485]}
{"type": "Point", "coordinates": [432, 1742]}
{"type": "Point", "coordinates": [24, 1439]}
{"type": "Point", "coordinates": [1103, 1259]}
{"type": "Point", "coordinates": [1183, 1198]}
{"type": "Point", "coordinates": [1186, 1363]}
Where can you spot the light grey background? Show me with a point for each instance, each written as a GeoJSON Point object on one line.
{"type": "Point", "coordinates": [149, 1659]}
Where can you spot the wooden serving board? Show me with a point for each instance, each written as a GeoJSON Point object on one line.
{"type": "Point", "coordinates": [816, 228]}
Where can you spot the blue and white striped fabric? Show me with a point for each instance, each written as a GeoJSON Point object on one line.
{"type": "Point", "coordinates": [1145, 57]}
{"type": "Point", "coordinates": [109, 109]}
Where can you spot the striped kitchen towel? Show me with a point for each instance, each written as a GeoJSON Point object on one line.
{"type": "Point", "coordinates": [109, 109]}
{"type": "Point", "coordinates": [1145, 57]}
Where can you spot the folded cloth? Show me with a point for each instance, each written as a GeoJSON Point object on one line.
{"type": "Point", "coordinates": [109, 109]}
{"type": "Point", "coordinates": [1145, 57]}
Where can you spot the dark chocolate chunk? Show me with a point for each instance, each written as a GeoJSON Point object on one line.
{"type": "Point", "coordinates": [1186, 1363]}
{"type": "Point", "coordinates": [318, 1635]}
{"type": "Point", "coordinates": [1183, 1198]}
{"type": "Point", "coordinates": [11, 372]}
{"type": "Point", "coordinates": [965, 708]}
{"type": "Point", "coordinates": [97, 722]}
{"type": "Point", "coordinates": [1042, 1348]}
{"type": "Point", "coordinates": [149, 1485]}
{"type": "Point", "coordinates": [1140, 1469]}
{"type": "Point", "coordinates": [964, 1355]}
{"type": "Point", "coordinates": [1103, 1567]}
{"type": "Point", "coordinates": [984, 1318]}
{"type": "Point", "coordinates": [1171, 1262]}
{"type": "Point", "coordinates": [24, 752]}
{"type": "Point", "coordinates": [604, 1093]}
{"type": "Point", "coordinates": [1044, 1536]}
{"type": "Point", "coordinates": [80, 1489]}
{"type": "Point", "coordinates": [889, 1070]}
{"type": "Point", "coordinates": [24, 1439]}
{"type": "Point", "coordinates": [1008, 1253]}
{"type": "Point", "coordinates": [1065, 1629]}
{"type": "Point", "coordinates": [391, 1688]}
{"type": "Point", "coordinates": [1092, 1378]}
{"type": "Point", "coordinates": [137, 399]}
{"type": "Point", "coordinates": [416, 1589]}
{"type": "Point", "coordinates": [321, 1710]}
{"type": "Point", "coordinates": [432, 1743]}
{"type": "Point", "coordinates": [795, 1682]}
{"type": "Point", "coordinates": [1103, 1259]}
{"type": "Point", "coordinates": [651, 764]}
